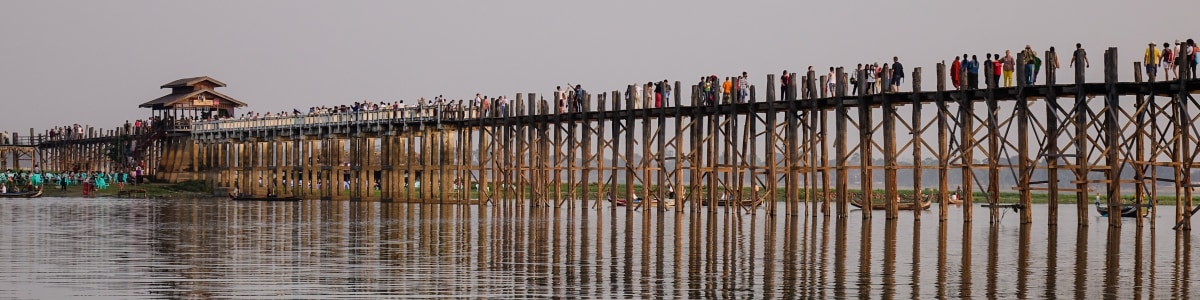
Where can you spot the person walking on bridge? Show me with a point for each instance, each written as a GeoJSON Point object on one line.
{"type": "Point", "coordinates": [1168, 60]}
{"type": "Point", "coordinates": [1151, 60]}
{"type": "Point", "coordinates": [1193, 55]}
{"type": "Point", "coordinates": [955, 74]}
{"type": "Point", "coordinates": [579, 94]}
{"type": "Point", "coordinates": [831, 83]}
{"type": "Point", "coordinates": [987, 65]}
{"type": "Point", "coordinates": [743, 88]}
{"type": "Point", "coordinates": [1009, 65]}
{"type": "Point", "coordinates": [785, 81]}
{"type": "Point", "coordinates": [897, 74]}
{"type": "Point", "coordinates": [973, 72]}
{"type": "Point", "coordinates": [997, 67]}
{"type": "Point", "coordinates": [1079, 54]}
{"type": "Point", "coordinates": [1027, 61]}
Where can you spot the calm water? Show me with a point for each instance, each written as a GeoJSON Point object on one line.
{"type": "Point", "coordinates": [108, 248]}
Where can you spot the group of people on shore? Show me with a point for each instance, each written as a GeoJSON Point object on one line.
{"type": "Point", "coordinates": [23, 181]}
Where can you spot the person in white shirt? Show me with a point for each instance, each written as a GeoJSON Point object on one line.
{"type": "Point", "coordinates": [637, 95]}
{"type": "Point", "coordinates": [831, 87]}
{"type": "Point", "coordinates": [560, 99]}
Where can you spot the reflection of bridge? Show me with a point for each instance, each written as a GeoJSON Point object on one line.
{"type": "Point", "coordinates": [772, 151]}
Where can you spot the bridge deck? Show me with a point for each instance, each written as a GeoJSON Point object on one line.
{"type": "Point", "coordinates": [311, 124]}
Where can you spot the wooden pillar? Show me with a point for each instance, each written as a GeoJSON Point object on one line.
{"type": "Point", "coordinates": [1183, 152]}
{"type": "Point", "coordinates": [865, 126]}
{"type": "Point", "coordinates": [966, 113]}
{"type": "Point", "coordinates": [918, 145]}
{"type": "Point", "coordinates": [790, 156]}
{"type": "Point", "coordinates": [1024, 169]}
{"type": "Point", "coordinates": [1081, 151]}
{"type": "Point", "coordinates": [993, 140]}
{"type": "Point", "coordinates": [771, 139]}
{"type": "Point", "coordinates": [1140, 164]}
{"type": "Point", "coordinates": [1051, 149]}
{"type": "Point", "coordinates": [891, 195]}
{"type": "Point", "coordinates": [839, 143]}
{"type": "Point", "coordinates": [677, 185]}
{"type": "Point", "coordinates": [628, 130]}
{"type": "Point", "coordinates": [1113, 137]}
{"type": "Point", "coordinates": [812, 142]}
{"type": "Point", "coordinates": [447, 165]}
{"type": "Point", "coordinates": [588, 157]}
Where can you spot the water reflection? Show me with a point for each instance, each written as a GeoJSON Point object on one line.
{"type": "Point", "coordinates": [102, 248]}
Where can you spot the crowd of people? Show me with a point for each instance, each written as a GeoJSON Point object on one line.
{"type": "Point", "coordinates": [25, 181]}
{"type": "Point", "coordinates": [965, 72]}
{"type": "Point", "coordinates": [735, 89]}
{"type": "Point", "coordinates": [76, 131]}
{"type": "Point", "coordinates": [1168, 59]}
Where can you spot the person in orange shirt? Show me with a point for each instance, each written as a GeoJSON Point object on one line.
{"type": "Point", "coordinates": [726, 87]}
{"type": "Point", "coordinates": [954, 72]}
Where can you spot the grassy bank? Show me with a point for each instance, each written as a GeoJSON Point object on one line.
{"type": "Point", "coordinates": [185, 189]}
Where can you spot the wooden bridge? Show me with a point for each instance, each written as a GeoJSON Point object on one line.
{"type": "Point", "coordinates": [772, 156]}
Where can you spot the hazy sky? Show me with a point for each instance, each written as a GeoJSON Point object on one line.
{"type": "Point", "coordinates": [93, 62]}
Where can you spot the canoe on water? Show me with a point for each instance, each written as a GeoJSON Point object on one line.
{"type": "Point", "coordinates": [32, 194]}
{"type": "Point", "coordinates": [924, 204]}
{"type": "Point", "coordinates": [636, 201]}
{"type": "Point", "coordinates": [261, 198]}
{"type": "Point", "coordinates": [1127, 210]}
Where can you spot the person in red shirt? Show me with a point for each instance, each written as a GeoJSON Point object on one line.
{"type": "Point", "coordinates": [954, 76]}
{"type": "Point", "coordinates": [997, 71]}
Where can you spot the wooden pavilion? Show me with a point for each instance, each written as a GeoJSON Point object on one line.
{"type": "Point", "coordinates": [193, 98]}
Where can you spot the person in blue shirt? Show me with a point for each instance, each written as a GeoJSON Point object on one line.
{"type": "Point", "coordinates": [897, 73]}
{"type": "Point", "coordinates": [973, 72]}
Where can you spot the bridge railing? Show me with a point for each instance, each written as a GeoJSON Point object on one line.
{"type": "Point", "coordinates": [402, 115]}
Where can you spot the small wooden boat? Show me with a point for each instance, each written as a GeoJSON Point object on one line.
{"type": "Point", "coordinates": [729, 202]}
{"type": "Point", "coordinates": [954, 200]}
{"type": "Point", "coordinates": [1127, 210]}
{"type": "Point", "coordinates": [30, 194]}
{"type": "Point", "coordinates": [242, 197]}
{"type": "Point", "coordinates": [923, 205]}
{"type": "Point", "coordinates": [637, 201]}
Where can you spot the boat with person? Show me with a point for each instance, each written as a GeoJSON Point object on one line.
{"type": "Point", "coordinates": [924, 204]}
{"type": "Point", "coordinates": [638, 201]}
{"type": "Point", "coordinates": [1127, 210]}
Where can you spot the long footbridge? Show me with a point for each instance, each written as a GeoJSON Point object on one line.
{"type": "Point", "coordinates": [1130, 142]}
